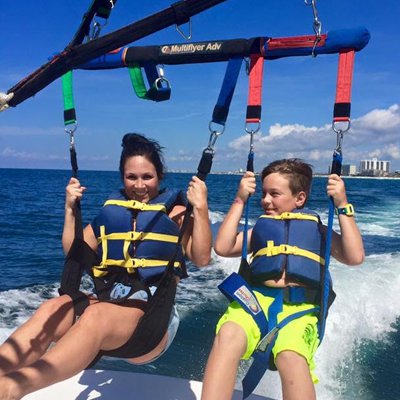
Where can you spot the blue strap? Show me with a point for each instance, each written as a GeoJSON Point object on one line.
{"type": "Point", "coordinates": [336, 168]}
{"type": "Point", "coordinates": [221, 109]}
{"type": "Point", "coordinates": [261, 358]}
{"type": "Point", "coordinates": [250, 167]}
{"type": "Point", "coordinates": [234, 287]}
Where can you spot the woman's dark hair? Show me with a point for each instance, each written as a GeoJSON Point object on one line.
{"type": "Point", "coordinates": [298, 172]}
{"type": "Point", "coordinates": [134, 144]}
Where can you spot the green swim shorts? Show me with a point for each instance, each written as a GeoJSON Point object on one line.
{"type": "Point", "coordinates": [299, 335]}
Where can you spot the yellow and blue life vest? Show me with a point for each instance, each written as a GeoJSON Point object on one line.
{"type": "Point", "coordinates": [138, 238]}
{"type": "Point", "coordinates": [290, 242]}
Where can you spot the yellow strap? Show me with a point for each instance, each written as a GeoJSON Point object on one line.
{"type": "Point", "coordinates": [136, 205]}
{"type": "Point", "coordinates": [130, 265]}
{"type": "Point", "coordinates": [290, 215]}
{"type": "Point", "coordinates": [134, 236]}
{"type": "Point", "coordinates": [272, 250]}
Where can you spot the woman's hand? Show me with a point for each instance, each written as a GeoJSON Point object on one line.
{"type": "Point", "coordinates": [197, 193]}
{"type": "Point", "coordinates": [337, 190]}
{"type": "Point", "coordinates": [73, 193]}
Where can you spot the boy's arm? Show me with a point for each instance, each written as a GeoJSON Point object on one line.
{"type": "Point", "coordinates": [228, 242]}
{"type": "Point", "coordinates": [347, 247]}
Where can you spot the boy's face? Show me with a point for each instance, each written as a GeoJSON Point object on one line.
{"type": "Point", "coordinates": [277, 196]}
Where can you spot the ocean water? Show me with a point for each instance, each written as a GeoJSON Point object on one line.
{"type": "Point", "coordinates": [360, 355]}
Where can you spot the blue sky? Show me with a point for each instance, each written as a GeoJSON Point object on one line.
{"type": "Point", "coordinates": [298, 93]}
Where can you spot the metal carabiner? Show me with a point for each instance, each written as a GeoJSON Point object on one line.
{"type": "Point", "coordinates": [213, 137]}
{"type": "Point", "coordinates": [70, 131]}
{"type": "Point", "coordinates": [339, 141]}
{"type": "Point", "coordinates": [317, 25]}
{"type": "Point", "coordinates": [251, 133]}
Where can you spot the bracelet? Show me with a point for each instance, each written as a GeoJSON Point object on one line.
{"type": "Point", "coordinates": [238, 200]}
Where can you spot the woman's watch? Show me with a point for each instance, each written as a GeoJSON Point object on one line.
{"type": "Point", "coordinates": [347, 210]}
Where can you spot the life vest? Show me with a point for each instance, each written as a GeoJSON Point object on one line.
{"type": "Point", "coordinates": [138, 238]}
{"type": "Point", "coordinates": [290, 242]}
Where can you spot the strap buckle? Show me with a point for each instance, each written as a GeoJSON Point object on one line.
{"type": "Point", "coordinates": [267, 340]}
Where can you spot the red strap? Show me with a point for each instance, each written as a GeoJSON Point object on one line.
{"type": "Point", "coordinates": [343, 87]}
{"type": "Point", "coordinates": [253, 114]}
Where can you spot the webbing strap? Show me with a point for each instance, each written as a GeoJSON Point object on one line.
{"type": "Point", "coordinates": [292, 215]}
{"type": "Point", "coordinates": [68, 96]}
{"type": "Point", "coordinates": [234, 287]}
{"type": "Point", "coordinates": [253, 114]}
{"type": "Point", "coordinates": [342, 106]}
{"type": "Point", "coordinates": [134, 236]}
{"type": "Point", "coordinates": [271, 250]}
{"type": "Point", "coordinates": [221, 109]}
{"type": "Point", "coordinates": [261, 357]}
{"type": "Point", "coordinates": [325, 275]}
{"type": "Point", "coordinates": [157, 91]}
{"type": "Point", "coordinates": [136, 205]}
{"type": "Point", "coordinates": [137, 81]}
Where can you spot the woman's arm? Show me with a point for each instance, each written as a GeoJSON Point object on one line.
{"type": "Point", "coordinates": [73, 193]}
{"type": "Point", "coordinates": [347, 247]}
{"type": "Point", "coordinates": [228, 242]}
{"type": "Point", "coordinates": [197, 240]}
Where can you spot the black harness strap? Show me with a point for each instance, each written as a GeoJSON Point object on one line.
{"type": "Point", "coordinates": [80, 255]}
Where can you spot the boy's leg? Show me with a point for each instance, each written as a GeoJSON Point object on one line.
{"type": "Point", "coordinates": [29, 342]}
{"type": "Point", "coordinates": [103, 326]}
{"type": "Point", "coordinates": [295, 376]}
{"type": "Point", "coordinates": [220, 375]}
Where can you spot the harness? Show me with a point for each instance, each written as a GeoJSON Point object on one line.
{"type": "Point", "coordinates": [295, 245]}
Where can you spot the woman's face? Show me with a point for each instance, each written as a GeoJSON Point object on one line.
{"type": "Point", "coordinates": [140, 179]}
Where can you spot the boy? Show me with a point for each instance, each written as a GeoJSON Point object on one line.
{"type": "Point", "coordinates": [286, 186]}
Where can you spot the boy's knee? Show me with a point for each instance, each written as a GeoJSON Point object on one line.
{"type": "Point", "coordinates": [291, 359]}
{"type": "Point", "coordinates": [231, 337]}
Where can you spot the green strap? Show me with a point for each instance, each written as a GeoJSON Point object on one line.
{"type": "Point", "coordinates": [69, 107]}
{"type": "Point", "coordinates": [135, 72]}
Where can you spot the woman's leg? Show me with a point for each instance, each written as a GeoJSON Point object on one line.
{"type": "Point", "coordinates": [30, 341]}
{"type": "Point", "coordinates": [220, 375]}
{"type": "Point", "coordinates": [295, 376]}
{"type": "Point", "coordinates": [103, 326]}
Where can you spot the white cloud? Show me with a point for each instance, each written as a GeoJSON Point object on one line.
{"type": "Point", "coordinates": [24, 155]}
{"type": "Point", "coordinates": [375, 134]}
{"type": "Point", "coordinates": [380, 120]}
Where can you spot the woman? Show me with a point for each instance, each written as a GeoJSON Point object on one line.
{"type": "Point", "coordinates": [26, 361]}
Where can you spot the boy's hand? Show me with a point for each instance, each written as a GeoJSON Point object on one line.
{"type": "Point", "coordinates": [337, 190]}
{"type": "Point", "coordinates": [247, 186]}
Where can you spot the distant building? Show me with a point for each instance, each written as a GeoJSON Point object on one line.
{"type": "Point", "coordinates": [374, 167]}
{"type": "Point", "coordinates": [349, 170]}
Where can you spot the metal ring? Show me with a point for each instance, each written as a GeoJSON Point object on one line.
{"type": "Point", "coordinates": [252, 131]}
{"type": "Point", "coordinates": [336, 130]}
{"type": "Point", "coordinates": [216, 132]}
{"type": "Point", "coordinates": [160, 81]}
